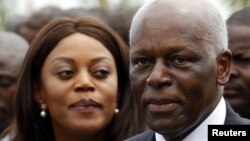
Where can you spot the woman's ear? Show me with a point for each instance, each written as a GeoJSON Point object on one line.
{"type": "Point", "coordinates": [223, 68]}
{"type": "Point", "coordinates": [38, 94]}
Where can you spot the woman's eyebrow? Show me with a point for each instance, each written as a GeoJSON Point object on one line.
{"type": "Point", "coordinates": [66, 59]}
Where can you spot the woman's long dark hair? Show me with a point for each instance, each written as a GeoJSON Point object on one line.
{"type": "Point", "coordinates": [29, 126]}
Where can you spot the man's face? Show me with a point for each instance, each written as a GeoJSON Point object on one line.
{"type": "Point", "coordinates": [174, 72]}
{"type": "Point", "coordinates": [237, 90]}
{"type": "Point", "coordinates": [9, 67]}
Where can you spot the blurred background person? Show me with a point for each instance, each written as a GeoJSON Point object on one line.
{"type": "Point", "coordinates": [237, 90]}
{"type": "Point", "coordinates": [37, 20]}
{"type": "Point", "coordinates": [117, 14]}
{"type": "Point", "coordinates": [15, 23]}
{"type": "Point", "coordinates": [79, 12]}
{"type": "Point", "coordinates": [9, 8]}
{"type": "Point", "coordinates": [119, 19]}
{"type": "Point", "coordinates": [12, 51]}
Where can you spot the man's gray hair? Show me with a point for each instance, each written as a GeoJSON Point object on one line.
{"type": "Point", "coordinates": [217, 31]}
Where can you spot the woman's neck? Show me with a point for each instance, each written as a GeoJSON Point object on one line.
{"type": "Point", "coordinates": [80, 137]}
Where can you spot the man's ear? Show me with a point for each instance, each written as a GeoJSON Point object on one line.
{"type": "Point", "coordinates": [223, 68]}
{"type": "Point", "coordinates": [38, 94]}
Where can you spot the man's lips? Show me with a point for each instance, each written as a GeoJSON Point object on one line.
{"type": "Point", "coordinates": [232, 90]}
{"type": "Point", "coordinates": [164, 101]}
{"type": "Point", "coordinates": [163, 106]}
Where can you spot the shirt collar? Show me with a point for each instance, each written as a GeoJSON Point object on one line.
{"type": "Point", "coordinates": [218, 117]}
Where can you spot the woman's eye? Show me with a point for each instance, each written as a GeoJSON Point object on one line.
{"type": "Point", "coordinates": [66, 74]}
{"type": "Point", "coordinates": [101, 73]}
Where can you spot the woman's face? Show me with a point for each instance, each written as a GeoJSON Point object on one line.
{"type": "Point", "coordinates": [79, 85]}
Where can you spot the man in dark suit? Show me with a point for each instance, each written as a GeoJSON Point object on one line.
{"type": "Point", "coordinates": [179, 65]}
{"type": "Point", "coordinates": [237, 90]}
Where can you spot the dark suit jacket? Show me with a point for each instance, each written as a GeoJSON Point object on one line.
{"type": "Point", "coordinates": [232, 118]}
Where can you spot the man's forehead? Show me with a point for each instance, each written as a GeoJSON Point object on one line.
{"type": "Point", "coordinates": [171, 29]}
{"type": "Point", "coordinates": [167, 8]}
{"type": "Point", "coordinates": [163, 14]}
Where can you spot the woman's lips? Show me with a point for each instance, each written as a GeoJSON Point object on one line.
{"type": "Point", "coordinates": [86, 106]}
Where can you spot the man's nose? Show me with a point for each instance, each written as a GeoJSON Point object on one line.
{"type": "Point", "coordinates": [234, 72]}
{"type": "Point", "coordinates": [159, 76]}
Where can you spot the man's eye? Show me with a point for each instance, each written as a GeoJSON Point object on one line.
{"type": "Point", "coordinates": [142, 62]}
{"type": "Point", "coordinates": [245, 61]}
{"type": "Point", "coordinates": [179, 60]}
{"type": "Point", "coordinates": [6, 81]}
{"type": "Point", "coordinates": [66, 74]}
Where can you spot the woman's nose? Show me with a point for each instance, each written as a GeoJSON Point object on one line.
{"type": "Point", "coordinates": [84, 82]}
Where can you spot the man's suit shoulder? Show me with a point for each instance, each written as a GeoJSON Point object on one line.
{"type": "Point", "coordinates": [233, 118]}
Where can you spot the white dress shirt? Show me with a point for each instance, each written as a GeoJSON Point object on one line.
{"type": "Point", "coordinates": [217, 117]}
{"type": "Point", "coordinates": [6, 138]}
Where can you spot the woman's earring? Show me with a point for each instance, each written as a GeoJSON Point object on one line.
{"type": "Point", "coordinates": [43, 113]}
{"type": "Point", "coordinates": [116, 110]}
